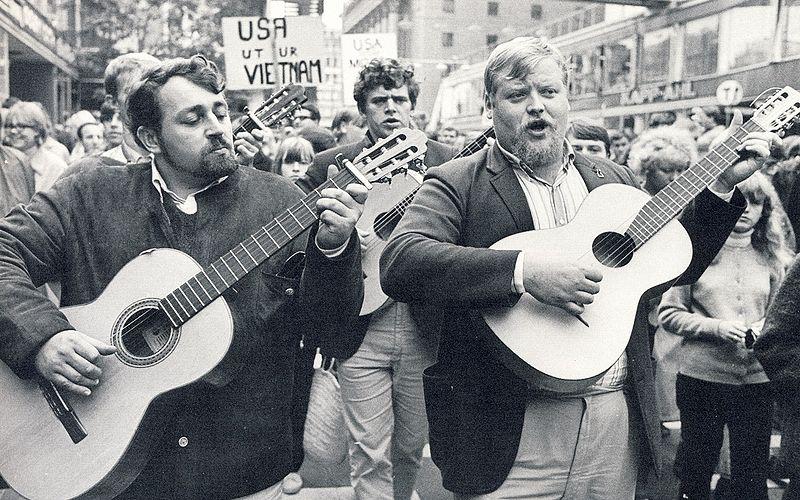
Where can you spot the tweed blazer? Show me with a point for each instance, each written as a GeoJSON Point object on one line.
{"type": "Point", "coordinates": [437, 259]}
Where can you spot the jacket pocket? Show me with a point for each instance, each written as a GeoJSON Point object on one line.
{"type": "Point", "coordinates": [441, 407]}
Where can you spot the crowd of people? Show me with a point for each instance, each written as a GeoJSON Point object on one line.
{"type": "Point", "coordinates": [159, 166]}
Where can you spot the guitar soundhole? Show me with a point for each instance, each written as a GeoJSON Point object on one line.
{"type": "Point", "coordinates": [613, 249]}
{"type": "Point", "coordinates": [384, 225]}
{"type": "Point", "coordinates": [143, 334]}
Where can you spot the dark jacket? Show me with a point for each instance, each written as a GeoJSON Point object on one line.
{"type": "Point", "coordinates": [93, 222]}
{"type": "Point", "coordinates": [438, 257]}
{"type": "Point", "coordinates": [342, 347]}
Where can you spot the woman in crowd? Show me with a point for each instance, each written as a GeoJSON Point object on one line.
{"type": "Point", "coordinates": [720, 381]}
{"type": "Point", "coordinates": [26, 129]}
{"type": "Point", "coordinates": [294, 156]}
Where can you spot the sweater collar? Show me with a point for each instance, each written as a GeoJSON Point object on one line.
{"type": "Point", "coordinates": [739, 240]}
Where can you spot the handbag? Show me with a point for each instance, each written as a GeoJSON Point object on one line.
{"type": "Point", "coordinates": [325, 438]}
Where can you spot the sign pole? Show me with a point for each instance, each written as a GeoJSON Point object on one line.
{"type": "Point", "coordinates": [268, 12]}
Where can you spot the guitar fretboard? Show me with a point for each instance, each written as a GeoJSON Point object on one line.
{"type": "Point", "coordinates": [674, 197]}
{"type": "Point", "coordinates": [396, 212]}
{"type": "Point", "coordinates": [204, 287]}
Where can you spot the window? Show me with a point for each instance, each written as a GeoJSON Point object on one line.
{"type": "Point", "coordinates": [491, 40]}
{"type": "Point", "coordinates": [585, 68]}
{"type": "Point", "coordinates": [618, 64]}
{"type": "Point", "coordinates": [655, 56]}
{"type": "Point", "coordinates": [449, 6]}
{"type": "Point", "coordinates": [447, 39]}
{"type": "Point", "coordinates": [536, 11]}
{"type": "Point", "coordinates": [700, 47]}
{"type": "Point", "coordinates": [749, 34]}
{"type": "Point", "coordinates": [791, 33]}
{"type": "Point", "coordinates": [492, 8]}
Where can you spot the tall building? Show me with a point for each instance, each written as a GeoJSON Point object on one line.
{"type": "Point", "coordinates": [37, 52]}
{"type": "Point", "coordinates": [439, 36]}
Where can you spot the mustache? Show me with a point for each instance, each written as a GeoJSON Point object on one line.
{"type": "Point", "coordinates": [216, 144]}
{"type": "Point", "coordinates": [537, 123]}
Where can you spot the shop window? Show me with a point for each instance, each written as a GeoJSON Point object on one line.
{"type": "Point", "coordinates": [536, 12]}
{"type": "Point", "coordinates": [493, 8]}
{"type": "Point", "coordinates": [791, 33]}
{"type": "Point", "coordinates": [618, 64]}
{"type": "Point", "coordinates": [749, 34]}
{"type": "Point", "coordinates": [700, 47]}
{"type": "Point", "coordinates": [585, 66]}
{"type": "Point", "coordinates": [449, 6]}
{"type": "Point", "coordinates": [655, 56]}
{"type": "Point", "coordinates": [447, 39]}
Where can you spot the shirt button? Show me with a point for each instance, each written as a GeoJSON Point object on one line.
{"type": "Point", "coordinates": [183, 442]}
{"type": "Point", "coordinates": [289, 292]}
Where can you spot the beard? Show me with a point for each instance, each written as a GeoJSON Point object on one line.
{"type": "Point", "coordinates": [542, 152]}
{"type": "Point", "coordinates": [212, 166]}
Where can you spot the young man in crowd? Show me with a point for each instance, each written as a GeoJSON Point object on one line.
{"type": "Point", "coordinates": [381, 365]}
{"type": "Point", "coordinates": [492, 435]}
{"type": "Point", "coordinates": [589, 139]}
{"type": "Point", "coordinates": [229, 434]}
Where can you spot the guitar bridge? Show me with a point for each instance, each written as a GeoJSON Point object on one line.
{"type": "Point", "coordinates": [63, 411]}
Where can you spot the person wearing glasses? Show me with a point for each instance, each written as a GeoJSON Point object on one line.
{"type": "Point", "coordinates": [26, 129]}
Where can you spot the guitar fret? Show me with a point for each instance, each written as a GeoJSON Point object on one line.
{"type": "Point", "coordinates": [180, 289]}
{"type": "Point", "coordinates": [238, 261]}
{"type": "Point", "coordinates": [172, 320]}
{"type": "Point", "coordinates": [313, 213]}
{"type": "Point", "coordinates": [228, 268]}
{"type": "Point", "coordinates": [178, 300]}
{"type": "Point", "coordinates": [291, 212]}
{"type": "Point", "coordinates": [248, 254]}
{"type": "Point", "coordinates": [278, 222]}
{"type": "Point", "coordinates": [212, 282]}
{"type": "Point", "coordinates": [273, 239]}
{"type": "Point", "coordinates": [175, 309]}
{"type": "Point", "coordinates": [259, 245]}
{"type": "Point", "coordinates": [195, 293]}
{"type": "Point", "coordinates": [220, 276]}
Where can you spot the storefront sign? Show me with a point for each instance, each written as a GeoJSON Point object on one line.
{"type": "Point", "coordinates": [658, 93]}
{"type": "Point", "coordinates": [250, 57]}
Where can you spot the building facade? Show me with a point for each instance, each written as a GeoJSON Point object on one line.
{"type": "Point", "coordinates": [637, 62]}
{"type": "Point", "coordinates": [439, 36]}
{"type": "Point", "coordinates": [37, 52]}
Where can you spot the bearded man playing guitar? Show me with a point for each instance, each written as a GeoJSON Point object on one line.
{"type": "Point", "coordinates": [494, 434]}
{"type": "Point", "coordinates": [382, 358]}
{"type": "Point", "coordinates": [230, 433]}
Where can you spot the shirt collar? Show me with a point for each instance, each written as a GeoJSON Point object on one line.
{"type": "Point", "coordinates": [188, 205]}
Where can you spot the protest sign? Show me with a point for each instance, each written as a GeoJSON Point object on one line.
{"type": "Point", "coordinates": [357, 50]}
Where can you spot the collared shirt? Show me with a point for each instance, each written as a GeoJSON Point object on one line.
{"type": "Point", "coordinates": [123, 154]}
{"type": "Point", "coordinates": [552, 205]}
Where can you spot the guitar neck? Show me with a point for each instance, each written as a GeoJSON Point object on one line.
{"type": "Point", "coordinates": [473, 147]}
{"type": "Point", "coordinates": [674, 197]}
{"type": "Point", "coordinates": [203, 288]}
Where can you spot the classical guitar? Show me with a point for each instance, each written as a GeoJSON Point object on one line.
{"type": "Point", "coordinates": [171, 326]}
{"type": "Point", "coordinates": [279, 105]}
{"type": "Point", "coordinates": [638, 244]}
{"type": "Point", "coordinates": [382, 211]}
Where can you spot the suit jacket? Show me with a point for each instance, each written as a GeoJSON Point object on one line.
{"type": "Point", "coordinates": [436, 154]}
{"type": "Point", "coordinates": [438, 257]}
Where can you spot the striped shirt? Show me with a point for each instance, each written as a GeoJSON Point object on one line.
{"type": "Point", "coordinates": [552, 205]}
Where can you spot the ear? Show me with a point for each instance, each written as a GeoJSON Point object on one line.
{"type": "Point", "coordinates": [149, 139]}
{"type": "Point", "coordinates": [487, 105]}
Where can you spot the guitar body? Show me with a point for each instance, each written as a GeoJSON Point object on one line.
{"type": "Point", "coordinates": [554, 350]}
{"type": "Point", "coordinates": [39, 460]}
{"type": "Point", "coordinates": [382, 198]}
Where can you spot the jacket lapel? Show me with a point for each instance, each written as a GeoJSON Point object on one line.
{"type": "Point", "coordinates": [506, 184]}
{"type": "Point", "coordinates": [593, 174]}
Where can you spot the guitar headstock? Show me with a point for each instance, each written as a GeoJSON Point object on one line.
{"type": "Point", "coordinates": [392, 155]}
{"type": "Point", "coordinates": [778, 111]}
{"type": "Point", "coordinates": [279, 105]}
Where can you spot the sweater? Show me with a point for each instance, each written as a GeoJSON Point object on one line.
{"type": "Point", "coordinates": [737, 286]}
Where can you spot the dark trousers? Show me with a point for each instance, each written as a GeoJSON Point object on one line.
{"type": "Point", "coordinates": [705, 408]}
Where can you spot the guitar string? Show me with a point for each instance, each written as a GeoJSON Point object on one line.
{"type": "Point", "coordinates": [287, 218]}
{"type": "Point", "coordinates": [623, 251]}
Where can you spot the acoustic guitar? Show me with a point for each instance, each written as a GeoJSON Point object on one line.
{"type": "Point", "coordinates": [383, 210]}
{"type": "Point", "coordinates": [638, 244]}
{"type": "Point", "coordinates": [171, 326]}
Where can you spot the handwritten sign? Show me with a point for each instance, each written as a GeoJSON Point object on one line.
{"type": "Point", "coordinates": [250, 60]}
{"type": "Point", "coordinates": [358, 49]}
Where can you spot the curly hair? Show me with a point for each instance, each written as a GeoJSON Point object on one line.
{"type": "Point", "coordinates": [387, 73]}
{"type": "Point", "coordinates": [769, 236]}
{"type": "Point", "coordinates": [662, 144]}
{"type": "Point", "coordinates": [143, 106]}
